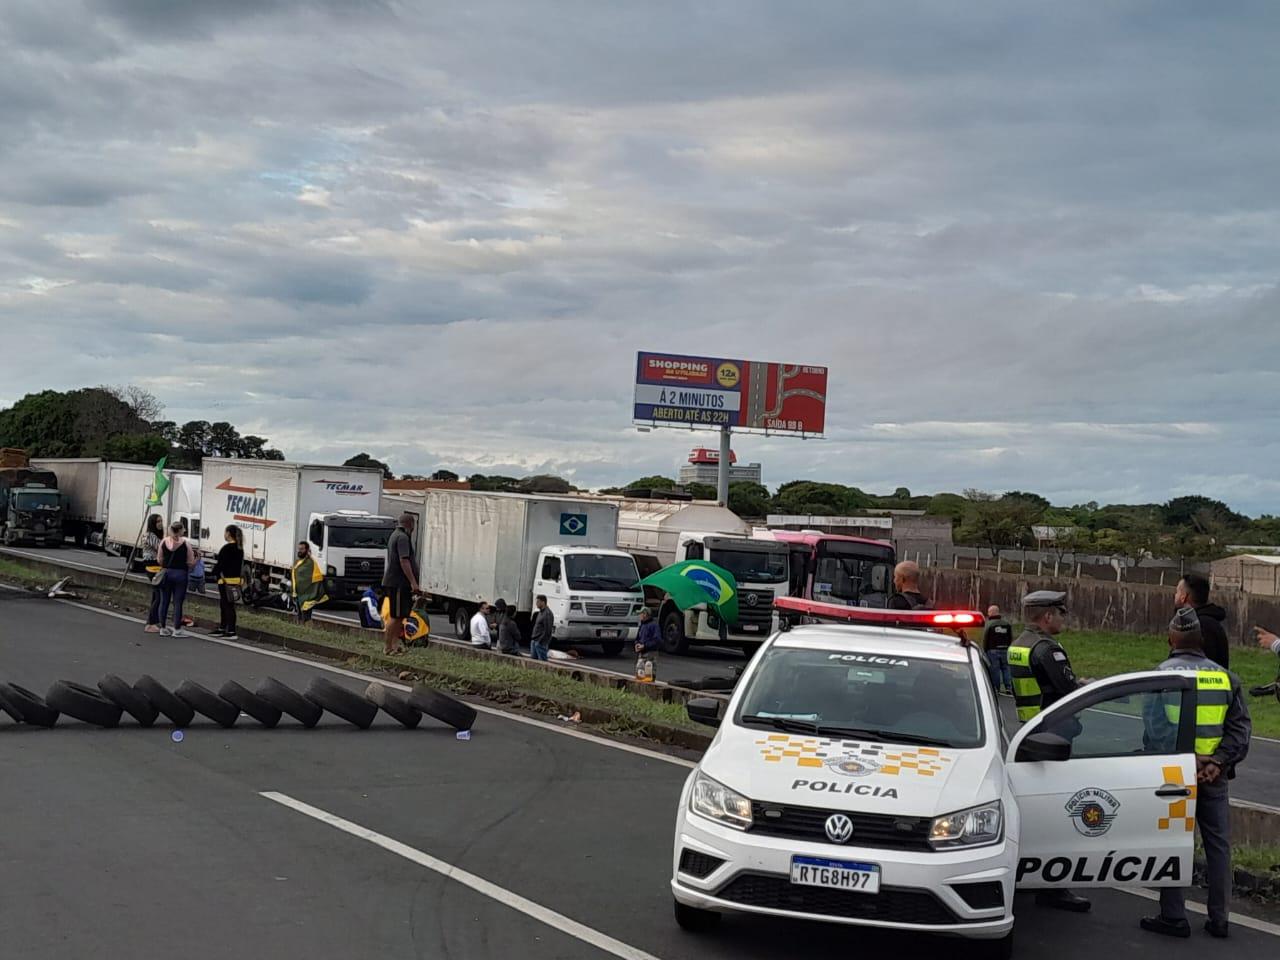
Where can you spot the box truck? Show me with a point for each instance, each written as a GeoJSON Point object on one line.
{"type": "Point", "coordinates": [279, 504]}
{"type": "Point", "coordinates": [488, 546]}
{"type": "Point", "coordinates": [129, 487]}
{"type": "Point", "coordinates": [83, 483]}
{"type": "Point", "coordinates": [659, 533]}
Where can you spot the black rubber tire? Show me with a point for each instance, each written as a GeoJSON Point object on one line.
{"type": "Point", "coordinates": [206, 702]}
{"type": "Point", "coordinates": [83, 703]}
{"type": "Point", "coordinates": [694, 920]}
{"type": "Point", "coordinates": [248, 702]}
{"type": "Point", "coordinates": [340, 701]}
{"type": "Point", "coordinates": [443, 707]}
{"type": "Point", "coordinates": [673, 638]}
{"type": "Point", "coordinates": [290, 701]}
{"type": "Point", "coordinates": [34, 710]}
{"type": "Point", "coordinates": [462, 622]}
{"type": "Point", "coordinates": [161, 697]}
{"type": "Point", "coordinates": [394, 705]}
{"type": "Point", "coordinates": [8, 706]}
{"type": "Point", "coordinates": [611, 648]}
{"type": "Point", "coordinates": [129, 700]}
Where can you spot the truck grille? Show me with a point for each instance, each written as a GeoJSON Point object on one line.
{"type": "Point", "coordinates": [891, 904]}
{"type": "Point", "coordinates": [608, 609]}
{"type": "Point", "coordinates": [869, 829]}
{"type": "Point", "coordinates": [364, 570]}
{"type": "Point", "coordinates": [761, 611]}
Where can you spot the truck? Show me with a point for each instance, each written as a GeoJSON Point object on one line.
{"type": "Point", "coordinates": [31, 509]}
{"type": "Point", "coordinates": [278, 504]}
{"type": "Point", "coordinates": [475, 547]}
{"type": "Point", "coordinates": [660, 533]}
{"type": "Point", "coordinates": [829, 567]}
{"type": "Point", "coordinates": [83, 483]}
{"type": "Point", "coordinates": [129, 487]}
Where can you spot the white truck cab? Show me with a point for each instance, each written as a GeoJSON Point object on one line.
{"type": "Point", "coordinates": [350, 546]}
{"type": "Point", "coordinates": [591, 592]}
{"type": "Point", "coordinates": [864, 774]}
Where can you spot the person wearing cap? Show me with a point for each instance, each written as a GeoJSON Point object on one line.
{"type": "Point", "coordinates": [1223, 729]}
{"type": "Point", "coordinates": [1042, 675]}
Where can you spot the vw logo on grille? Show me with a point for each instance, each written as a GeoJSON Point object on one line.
{"type": "Point", "coordinates": [364, 564]}
{"type": "Point", "coordinates": [839, 828]}
{"type": "Point", "coordinates": [752, 599]}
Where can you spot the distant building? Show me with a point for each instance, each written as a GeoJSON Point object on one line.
{"type": "Point", "coordinates": [704, 467]}
{"type": "Point", "coordinates": [1250, 572]}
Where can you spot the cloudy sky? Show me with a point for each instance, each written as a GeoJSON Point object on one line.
{"type": "Point", "coordinates": [1036, 243]}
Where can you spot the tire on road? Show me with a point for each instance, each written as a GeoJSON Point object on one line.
{"type": "Point", "coordinates": [443, 707]}
{"type": "Point", "coordinates": [83, 703]}
{"type": "Point", "coordinates": [34, 710]}
{"type": "Point", "coordinates": [340, 701]}
{"type": "Point", "coordinates": [8, 706]}
{"type": "Point", "coordinates": [394, 705]}
{"type": "Point", "coordinates": [205, 701]}
{"type": "Point", "coordinates": [248, 702]}
{"type": "Point", "coordinates": [290, 701]}
{"type": "Point", "coordinates": [611, 648]}
{"type": "Point", "coordinates": [131, 701]}
{"type": "Point", "coordinates": [161, 697]}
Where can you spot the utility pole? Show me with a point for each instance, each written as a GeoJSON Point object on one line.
{"type": "Point", "coordinates": [722, 477]}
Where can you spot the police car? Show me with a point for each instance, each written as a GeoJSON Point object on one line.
{"type": "Point", "coordinates": [863, 773]}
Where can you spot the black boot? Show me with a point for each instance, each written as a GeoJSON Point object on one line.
{"type": "Point", "coordinates": [1063, 900]}
{"type": "Point", "coordinates": [1169, 928]}
{"type": "Point", "coordinates": [1217, 928]}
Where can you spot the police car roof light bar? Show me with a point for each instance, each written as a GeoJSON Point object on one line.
{"type": "Point", "coordinates": [794, 610]}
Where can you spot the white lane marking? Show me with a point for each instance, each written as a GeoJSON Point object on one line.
{"type": "Point", "coordinates": [507, 898]}
{"type": "Point", "coordinates": [354, 675]}
{"type": "Point", "coordinates": [1237, 919]}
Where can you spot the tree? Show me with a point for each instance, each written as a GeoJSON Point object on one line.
{"type": "Point", "coordinates": [997, 522]}
{"type": "Point", "coordinates": [77, 423]}
{"type": "Point", "coordinates": [1198, 513]}
{"type": "Point", "coordinates": [701, 491]}
{"type": "Point", "coordinates": [144, 404]}
{"type": "Point", "coordinates": [804, 497]}
{"type": "Point", "coordinates": [749, 499]}
{"type": "Point", "coordinates": [493, 484]}
{"type": "Point", "coordinates": [947, 505]}
{"type": "Point", "coordinates": [545, 483]}
{"type": "Point", "coordinates": [144, 448]}
{"type": "Point", "coordinates": [652, 483]}
{"type": "Point", "coordinates": [364, 460]}
{"type": "Point", "coordinates": [447, 475]}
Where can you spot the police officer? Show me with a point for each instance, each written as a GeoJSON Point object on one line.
{"type": "Point", "coordinates": [1223, 729]}
{"type": "Point", "coordinates": [1042, 675]}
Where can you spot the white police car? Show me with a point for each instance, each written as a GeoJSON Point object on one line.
{"type": "Point", "coordinates": [862, 773]}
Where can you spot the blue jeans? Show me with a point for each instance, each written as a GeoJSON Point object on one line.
{"type": "Point", "coordinates": [173, 588]}
{"type": "Point", "coordinates": [998, 667]}
{"type": "Point", "coordinates": [539, 651]}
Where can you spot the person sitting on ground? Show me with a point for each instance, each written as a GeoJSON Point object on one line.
{"type": "Point", "coordinates": [370, 617]}
{"type": "Point", "coordinates": [906, 588]}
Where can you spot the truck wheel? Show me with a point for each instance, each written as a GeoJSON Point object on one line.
{"type": "Point", "coordinates": [162, 698]}
{"type": "Point", "coordinates": [128, 699]}
{"type": "Point", "coordinates": [443, 707]}
{"type": "Point", "coordinates": [673, 638]}
{"type": "Point", "coordinates": [205, 701]}
{"type": "Point", "coordinates": [461, 622]}
{"type": "Point", "coordinates": [342, 702]}
{"type": "Point", "coordinates": [250, 703]}
{"type": "Point", "coordinates": [33, 709]}
{"type": "Point", "coordinates": [290, 701]}
{"type": "Point", "coordinates": [612, 648]}
{"type": "Point", "coordinates": [83, 703]}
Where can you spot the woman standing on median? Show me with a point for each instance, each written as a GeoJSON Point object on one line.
{"type": "Point", "coordinates": [227, 573]}
{"type": "Point", "coordinates": [177, 558]}
{"type": "Point", "coordinates": [151, 564]}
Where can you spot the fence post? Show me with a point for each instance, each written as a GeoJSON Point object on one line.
{"type": "Point", "coordinates": [1024, 561]}
{"type": "Point", "coordinates": [999, 562]}
{"type": "Point", "coordinates": [955, 561]}
{"type": "Point", "coordinates": [1055, 566]}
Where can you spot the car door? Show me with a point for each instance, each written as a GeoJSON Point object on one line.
{"type": "Point", "coordinates": [1105, 782]}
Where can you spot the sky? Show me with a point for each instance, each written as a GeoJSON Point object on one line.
{"type": "Point", "coordinates": [1034, 243]}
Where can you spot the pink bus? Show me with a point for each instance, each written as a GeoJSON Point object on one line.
{"type": "Point", "coordinates": [828, 567]}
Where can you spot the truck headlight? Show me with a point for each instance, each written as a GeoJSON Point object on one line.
{"type": "Point", "coordinates": [331, 570]}
{"type": "Point", "coordinates": [968, 828]}
{"type": "Point", "coordinates": [715, 801]}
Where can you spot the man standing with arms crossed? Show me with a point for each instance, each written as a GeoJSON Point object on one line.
{"type": "Point", "coordinates": [399, 582]}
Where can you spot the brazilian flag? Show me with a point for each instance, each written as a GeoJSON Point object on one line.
{"type": "Point", "coordinates": [159, 485]}
{"type": "Point", "coordinates": [694, 582]}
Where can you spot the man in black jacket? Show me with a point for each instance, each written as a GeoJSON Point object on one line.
{"type": "Point", "coordinates": [906, 588]}
{"type": "Point", "coordinates": [1193, 591]}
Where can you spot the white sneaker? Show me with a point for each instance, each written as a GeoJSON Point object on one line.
{"type": "Point", "coordinates": [230, 636]}
{"type": "Point", "coordinates": [180, 633]}
{"type": "Point", "coordinates": [166, 631]}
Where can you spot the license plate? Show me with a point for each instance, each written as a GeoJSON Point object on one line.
{"type": "Point", "coordinates": [835, 874]}
{"type": "Point", "coordinates": [751, 628]}
{"type": "Point", "coordinates": [610, 633]}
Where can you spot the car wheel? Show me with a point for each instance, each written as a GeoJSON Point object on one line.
{"type": "Point", "coordinates": [83, 703]}
{"type": "Point", "coordinates": [290, 701]}
{"type": "Point", "coordinates": [33, 709]}
{"type": "Point", "coordinates": [443, 707]}
{"type": "Point", "coordinates": [205, 701]}
{"type": "Point", "coordinates": [461, 623]}
{"type": "Point", "coordinates": [129, 700]}
{"type": "Point", "coordinates": [673, 638]}
{"type": "Point", "coordinates": [695, 920]}
{"type": "Point", "coordinates": [1001, 949]}
{"type": "Point", "coordinates": [342, 702]}
{"type": "Point", "coordinates": [394, 705]}
{"type": "Point", "coordinates": [250, 703]}
{"type": "Point", "coordinates": [178, 711]}
{"type": "Point", "coordinates": [612, 648]}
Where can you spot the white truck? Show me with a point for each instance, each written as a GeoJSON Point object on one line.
{"type": "Point", "coordinates": [279, 504]}
{"type": "Point", "coordinates": [659, 533]}
{"type": "Point", "coordinates": [83, 482]}
{"type": "Point", "coordinates": [487, 546]}
{"type": "Point", "coordinates": [129, 487]}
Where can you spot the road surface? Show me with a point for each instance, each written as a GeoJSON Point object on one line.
{"type": "Point", "coordinates": [525, 841]}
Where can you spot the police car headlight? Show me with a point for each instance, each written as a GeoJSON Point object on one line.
{"type": "Point", "coordinates": [968, 828]}
{"type": "Point", "coordinates": [717, 802]}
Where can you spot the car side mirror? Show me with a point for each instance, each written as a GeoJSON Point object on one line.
{"type": "Point", "coordinates": [704, 710]}
{"type": "Point", "coordinates": [1043, 747]}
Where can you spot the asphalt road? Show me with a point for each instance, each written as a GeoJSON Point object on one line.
{"type": "Point", "coordinates": [522, 842]}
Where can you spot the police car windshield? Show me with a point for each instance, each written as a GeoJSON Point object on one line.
{"type": "Point", "coordinates": [883, 697]}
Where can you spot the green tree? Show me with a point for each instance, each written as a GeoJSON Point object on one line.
{"type": "Point", "coordinates": [77, 423]}
{"type": "Point", "coordinates": [448, 475]}
{"type": "Point", "coordinates": [651, 483]}
{"type": "Point", "coordinates": [997, 522]}
{"type": "Point", "coordinates": [1200, 513]}
{"type": "Point", "coordinates": [701, 491]}
{"type": "Point", "coordinates": [493, 484]}
{"type": "Point", "coordinates": [947, 505]}
{"type": "Point", "coordinates": [749, 499]}
{"type": "Point", "coordinates": [364, 460]}
{"type": "Point", "coordinates": [143, 448]}
{"type": "Point", "coordinates": [820, 499]}
{"type": "Point", "coordinates": [545, 483]}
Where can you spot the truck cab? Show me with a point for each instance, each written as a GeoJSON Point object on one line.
{"type": "Point", "coordinates": [592, 593]}
{"type": "Point", "coordinates": [32, 512]}
{"type": "Point", "coordinates": [351, 547]}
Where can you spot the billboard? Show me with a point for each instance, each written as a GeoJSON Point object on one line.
{"type": "Point", "coordinates": [679, 391]}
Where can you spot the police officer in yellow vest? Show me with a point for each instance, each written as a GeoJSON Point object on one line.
{"type": "Point", "coordinates": [1223, 729]}
{"type": "Point", "coordinates": [1042, 675]}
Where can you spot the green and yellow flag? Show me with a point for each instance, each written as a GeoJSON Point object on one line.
{"type": "Point", "coordinates": [159, 485]}
{"type": "Point", "coordinates": [694, 582]}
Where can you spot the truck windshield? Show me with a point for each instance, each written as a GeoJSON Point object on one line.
{"type": "Point", "coordinates": [845, 573]}
{"type": "Point", "coordinates": [37, 501]}
{"type": "Point", "coordinates": [601, 572]}
{"type": "Point", "coordinates": [752, 566]}
{"type": "Point", "coordinates": [371, 537]}
{"type": "Point", "coordinates": [889, 697]}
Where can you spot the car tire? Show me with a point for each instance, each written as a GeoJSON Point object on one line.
{"type": "Point", "coordinates": [248, 702]}
{"type": "Point", "coordinates": [161, 697]}
{"type": "Point", "coordinates": [129, 700]}
{"type": "Point", "coordinates": [612, 648]}
{"type": "Point", "coordinates": [342, 702]}
{"type": "Point", "coordinates": [394, 705]}
{"type": "Point", "coordinates": [694, 919]}
{"type": "Point", "coordinates": [290, 701]}
{"type": "Point", "coordinates": [83, 703]}
{"type": "Point", "coordinates": [1001, 949]}
{"type": "Point", "coordinates": [206, 702]}
{"type": "Point", "coordinates": [34, 710]}
{"type": "Point", "coordinates": [443, 707]}
{"type": "Point", "coordinates": [673, 639]}
{"type": "Point", "coordinates": [8, 706]}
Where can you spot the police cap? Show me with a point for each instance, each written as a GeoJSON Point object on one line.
{"type": "Point", "coordinates": [1044, 598]}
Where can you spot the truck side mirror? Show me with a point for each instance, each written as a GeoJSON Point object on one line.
{"type": "Point", "coordinates": [704, 710]}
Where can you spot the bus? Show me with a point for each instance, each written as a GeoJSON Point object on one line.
{"type": "Point", "coordinates": [854, 571]}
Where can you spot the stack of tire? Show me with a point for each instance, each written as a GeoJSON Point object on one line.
{"type": "Point", "coordinates": [147, 700]}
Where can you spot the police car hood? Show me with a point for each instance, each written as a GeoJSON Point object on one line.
{"type": "Point", "coordinates": [843, 774]}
